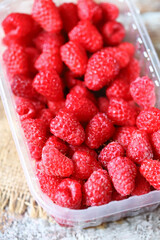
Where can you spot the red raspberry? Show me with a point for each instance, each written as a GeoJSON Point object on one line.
{"type": "Point", "coordinates": [71, 81]}
{"type": "Point", "coordinates": [74, 57]}
{"type": "Point", "coordinates": [66, 127]}
{"type": "Point", "coordinates": [22, 86]}
{"type": "Point", "coordinates": [109, 152]}
{"type": "Point", "coordinates": [56, 106]}
{"type": "Point", "coordinates": [120, 55]}
{"type": "Point", "coordinates": [22, 41]}
{"type": "Point", "coordinates": [38, 105]}
{"type": "Point", "coordinates": [139, 147]}
{"type": "Point", "coordinates": [98, 131]}
{"type": "Point", "coordinates": [57, 143]}
{"type": "Point", "coordinates": [110, 11]}
{"type": "Point", "coordinates": [127, 47]}
{"type": "Point", "coordinates": [141, 186]}
{"type": "Point", "coordinates": [69, 194]}
{"type": "Point", "coordinates": [33, 54]}
{"type": "Point", "coordinates": [82, 148]}
{"type": "Point", "coordinates": [155, 140]}
{"type": "Point", "coordinates": [113, 32]}
{"type": "Point", "coordinates": [18, 24]}
{"type": "Point", "coordinates": [123, 135]}
{"type": "Point", "coordinates": [47, 183]}
{"type": "Point", "coordinates": [50, 59]}
{"type": "Point", "coordinates": [121, 113]}
{"type": "Point", "coordinates": [25, 108]}
{"type": "Point", "coordinates": [82, 91]}
{"type": "Point", "coordinates": [119, 89]}
{"type": "Point", "coordinates": [87, 34]}
{"type": "Point", "coordinates": [46, 116]}
{"type": "Point", "coordinates": [149, 120]}
{"type": "Point", "coordinates": [82, 107]}
{"type": "Point", "coordinates": [47, 15]}
{"type": "Point", "coordinates": [56, 163]}
{"type": "Point", "coordinates": [35, 133]}
{"type": "Point", "coordinates": [150, 169]}
{"type": "Point", "coordinates": [69, 15]}
{"type": "Point", "coordinates": [143, 92]}
{"type": "Point", "coordinates": [48, 83]}
{"type": "Point", "coordinates": [16, 59]}
{"type": "Point", "coordinates": [46, 40]}
{"type": "Point", "coordinates": [103, 104]}
{"type": "Point", "coordinates": [122, 172]}
{"type": "Point", "coordinates": [131, 72]}
{"type": "Point", "coordinates": [89, 10]}
{"type": "Point", "coordinates": [101, 69]}
{"type": "Point", "coordinates": [98, 189]}
{"type": "Point", "coordinates": [84, 164]}
{"type": "Point", "coordinates": [117, 197]}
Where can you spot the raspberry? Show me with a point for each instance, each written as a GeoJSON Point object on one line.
{"type": "Point", "coordinates": [119, 89]}
{"type": "Point", "coordinates": [121, 113]}
{"type": "Point", "coordinates": [113, 32]}
{"type": "Point", "coordinates": [22, 86]}
{"type": "Point", "coordinates": [69, 15]}
{"type": "Point", "coordinates": [98, 131]}
{"type": "Point", "coordinates": [84, 164]}
{"type": "Point", "coordinates": [25, 108]}
{"type": "Point", "coordinates": [122, 172]}
{"type": "Point", "coordinates": [111, 151]}
{"type": "Point", "coordinates": [150, 169]}
{"type": "Point", "coordinates": [56, 163]}
{"type": "Point", "coordinates": [46, 40]}
{"type": "Point", "coordinates": [47, 15]}
{"type": "Point", "coordinates": [120, 55]}
{"type": "Point", "coordinates": [89, 10]}
{"type": "Point", "coordinates": [22, 41]}
{"type": "Point", "coordinates": [74, 56]}
{"type": "Point", "coordinates": [123, 135]}
{"type": "Point", "coordinates": [131, 72]}
{"type": "Point", "coordinates": [155, 140]}
{"type": "Point", "coordinates": [38, 105]}
{"type": "Point", "coordinates": [143, 92]}
{"type": "Point", "coordinates": [56, 106]}
{"type": "Point", "coordinates": [110, 11]}
{"type": "Point", "coordinates": [103, 104]}
{"type": "Point", "coordinates": [69, 194]}
{"type": "Point", "coordinates": [116, 196]}
{"type": "Point", "coordinates": [48, 83]}
{"type": "Point", "coordinates": [141, 186]}
{"type": "Point", "coordinates": [66, 127]}
{"type": "Point", "coordinates": [139, 147]}
{"type": "Point", "coordinates": [82, 107]}
{"type": "Point", "coordinates": [35, 133]}
{"type": "Point", "coordinates": [98, 189]}
{"type": "Point", "coordinates": [58, 144]}
{"type": "Point", "coordinates": [149, 120]}
{"type": "Point", "coordinates": [101, 69]}
{"type": "Point", "coordinates": [47, 183]}
{"type": "Point", "coordinates": [87, 34]}
{"type": "Point", "coordinates": [49, 60]}
{"type": "Point", "coordinates": [16, 59]}
{"type": "Point", "coordinates": [46, 116]}
{"type": "Point", "coordinates": [127, 47]}
{"type": "Point", "coordinates": [82, 91]}
{"type": "Point", "coordinates": [18, 24]}
{"type": "Point", "coordinates": [82, 148]}
{"type": "Point", "coordinates": [33, 54]}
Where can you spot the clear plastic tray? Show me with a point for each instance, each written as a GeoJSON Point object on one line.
{"type": "Point", "coordinates": [137, 34]}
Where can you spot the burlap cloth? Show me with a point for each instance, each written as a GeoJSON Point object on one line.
{"type": "Point", "coordinates": [14, 192]}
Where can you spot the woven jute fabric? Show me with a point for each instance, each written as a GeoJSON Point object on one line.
{"type": "Point", "coordinates": [14, 192]}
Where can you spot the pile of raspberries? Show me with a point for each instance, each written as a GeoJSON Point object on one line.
{"type": "Point", "coordinates": [87, 114]}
